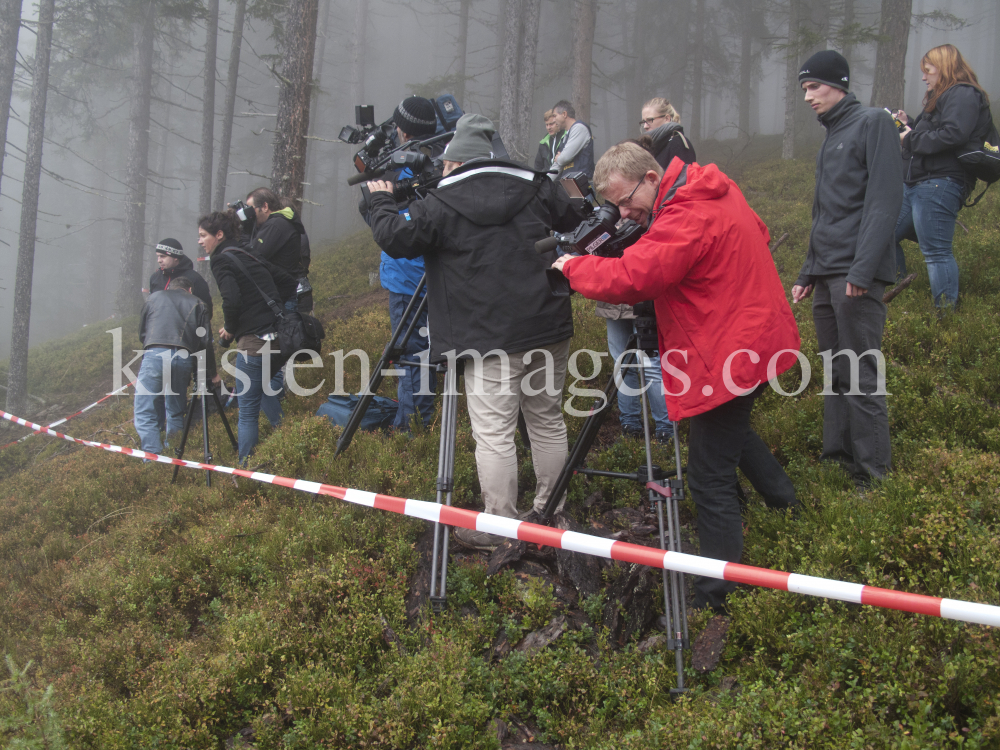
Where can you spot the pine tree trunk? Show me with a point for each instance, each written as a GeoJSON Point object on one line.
{"type": "Point", "coordinates": [584, 22]}
{"type": "Point", "coordinates": [501, 45]}
{"type": "Point", "coordinates": [631, 40]}
{"type": "Point", "coordinates": [679, 12]}
{"type": "Point", "coordinates": [890, 57]}
{"type": "Point", "coordinates": [746, 68]}
{"type": "Point", "coordinates": [129, 297]}
{"type": "Point", "coordinates": [315, 116]}
{"type": "Point", "coordinates": [10, 24]}
{"type": "Point", "coordinates": [848, 50]}
{"type": "Point", "coordinates": [510, 127]}
{"type": "Point", "coordinates": [288, 167]}
{"type": "Point", "coordinates": [462, 50]}
{"type": "Point", "coordinates": [208, 108]}
{"type": "Point", "coordinates": [232, 81]}
{"type": "Point", "coordinates": [358, 64]}
{"type": "Point", "coordinates": [792, 89]}
{"type": "Point", "coordinates": [531, 10]}
{"type": "Point", "coordinates": [698, 73]}
{"type": "Point", "coordinates": [17, 377]}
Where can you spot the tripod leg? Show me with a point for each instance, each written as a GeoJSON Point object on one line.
{"type": "Point", "coordinates": [225, 421]}
{"type": "Point", "coordinates": [184, 435]}
{"type": "Point", "coordinates": [445, 486]}
{"type": "Point", "coordinates": [204, 438]}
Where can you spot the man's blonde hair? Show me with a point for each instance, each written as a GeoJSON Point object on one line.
{"type": "Point", "coordinates": [628, 159]}
{"type": "Point", "coordinates": [548, 113]}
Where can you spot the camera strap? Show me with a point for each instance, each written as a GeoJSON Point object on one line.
{"type": "Point", "coordinates": [680, 182]}
{"type": "Point", "coordinates": [270, 302]}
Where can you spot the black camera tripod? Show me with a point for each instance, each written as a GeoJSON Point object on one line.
{"type": "Point", "coordinates": [196, 399]}
{"type": "Point", "coordinates": [651, 477]}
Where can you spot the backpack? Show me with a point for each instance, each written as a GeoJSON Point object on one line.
{"type": "Point", "coordinates": [981, 159]}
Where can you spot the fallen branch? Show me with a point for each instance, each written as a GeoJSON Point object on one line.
{"type": "Point", "coordinates": [779, 243]}
{"type": "Point", "coordinates": [890, 295]}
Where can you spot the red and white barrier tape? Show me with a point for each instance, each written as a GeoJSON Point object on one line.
{"type": "Point", "coordinates": [951, 609]}
{"type": "Point", "coordinates": [71, 416]}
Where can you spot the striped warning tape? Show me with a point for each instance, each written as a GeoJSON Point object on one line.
{"type": "Point", "coordinates": [952, 609]}
{"type": "Point", "coordinates": [71, 416]}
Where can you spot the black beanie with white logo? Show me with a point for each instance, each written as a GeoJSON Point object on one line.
{"type": "Point", "coordinates": [829, 67]}
{"type": "Point", "coordinates": [416, 117]}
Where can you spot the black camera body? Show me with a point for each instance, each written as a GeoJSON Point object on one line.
{"type": "Point", "coordinates": [603, 233]}
{"type": "Point", "coordinates": [425, 170]}
{"type": "Point", "coordinates": [376, 140]}
{"type": "Point", "coordinates": [246, 215]}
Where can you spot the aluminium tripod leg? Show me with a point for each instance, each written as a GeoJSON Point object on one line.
{"type": "Point", "coordinates": [674, 606]}
{"type": "Point", "coordinates": [445, 487]}
{"type": "Point", "coordinates": [184, 435]}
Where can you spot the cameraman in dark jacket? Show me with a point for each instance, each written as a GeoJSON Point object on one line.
{"type": "Point", "coordinates": [276, 235]}
{"type": "Point", "coordinates": [249, 320]}
{"type": "Point", "coordinates": [956, 110]}
{"type": "Point", "coordinates": [488, 293]}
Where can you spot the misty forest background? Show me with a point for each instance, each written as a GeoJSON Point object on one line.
{"type": "Point", "coordinates": [130, 118]}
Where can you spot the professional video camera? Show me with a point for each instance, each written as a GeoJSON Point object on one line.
{"type": "Point", "coordinates": [376, 139]}
{"type": "Point", "coordinates": [602, 233]}
{"type": "Point", "coordinates": [425, 172]}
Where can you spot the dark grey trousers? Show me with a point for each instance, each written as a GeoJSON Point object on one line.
{"type": "Point", "coordinates": [855, 427]}
{"type": "Point", "coordinates": [720, 441]}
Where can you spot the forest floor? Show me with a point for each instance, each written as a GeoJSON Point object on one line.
{"type": "Point", "coordinates": [140, 614]}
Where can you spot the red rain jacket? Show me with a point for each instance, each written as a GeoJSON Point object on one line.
{"type": "Point", "coordinates": [706, 264]}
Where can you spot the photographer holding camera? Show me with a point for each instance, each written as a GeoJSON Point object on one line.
{"type": "Point", "coordinates": [488, 295]}
{"type": "Point", "coordinates": [275, 234]}
{"type": "Point", "coordinates": [723, 323]}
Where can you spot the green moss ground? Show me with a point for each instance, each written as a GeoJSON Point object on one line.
{"type": "Point", "coordinates": [172, 616]}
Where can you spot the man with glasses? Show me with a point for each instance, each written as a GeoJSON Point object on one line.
{"type": "Point", "coordinates": [724, 323]}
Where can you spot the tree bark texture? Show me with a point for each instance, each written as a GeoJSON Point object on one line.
{"type": "Point", "coordinates": [208, 108]}
{"type": "Point", "coordinates": [462, 49]}
{"type": "Point", "coordinates": [288, 167]}
{"type": "Point", "coordinates": [632, 41]}
{"type": "Point", "coordinates": [10, 25]}
{"type": "Point", "coordinates": [698, 73]}
{"type": "Point", "coordinates": [17, 377]}
{"type": "Point", "coordinates": [890, 56]}
{"type": "Point", "coordinates": [677, 83]}
{"type": "Point", "coordinates": [584, 23]}
{"type": "Point", "coordinates": [509, 124]}
{"type": "Point", "coordinates": [848, 26]}
{"type": "Point", "coordinates": [791, 81]}
{"type": "Point", "coordinates": [358, 63]}
{"type": "Point", "coordinates": [232, 81]}
{"type": "Point", "coordinates": [746, 67]}
{"type": "Point", "coordinates": [129, 298]}
{"type": "Point", "coordinates": [531, 10]}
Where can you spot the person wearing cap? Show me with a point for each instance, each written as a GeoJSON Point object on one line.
{"type": "Point", "coordinates": [173, 263]}
{"type": "Point", "coordinates": [173, 326]}
{"type": "Point", "coordinates": [851, 259]}
{"type": "Point", "coordinates": [415, 119]}
{"type": "Point", "coordinates": [489, 299]}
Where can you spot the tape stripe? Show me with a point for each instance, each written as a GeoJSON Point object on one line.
{"type": "Point", "coordinates": [71, 416]}
{"type": "Point", "coordinates": [953, 609]}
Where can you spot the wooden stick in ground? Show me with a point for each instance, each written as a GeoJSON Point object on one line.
{"type": "Point", "coordinates": [891, 294]}
{"type": "Point", "coordinates": [778, 244]}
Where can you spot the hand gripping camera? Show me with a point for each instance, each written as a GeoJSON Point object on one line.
{"type": "Point", "coordinates": [603, 233]}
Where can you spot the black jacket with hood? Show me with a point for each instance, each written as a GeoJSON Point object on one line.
{"type": "Point", "coordinates": [930, 149]}
{"type": "Point", "coordinates": [160, 280]}
{"type": "Point", "coordinates": [669, 141]}
{"type": "Point", "coordinates": [279, 240]}
{"type": "Point", "coordinates": [477, 231]}
{"type": "Point", "coordinates": [243, 308]}
{"type": "Point", "coordinates": [859, 192]}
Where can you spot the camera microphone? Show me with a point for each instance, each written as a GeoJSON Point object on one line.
{"type": "Point", "coordinates": [546, 245]}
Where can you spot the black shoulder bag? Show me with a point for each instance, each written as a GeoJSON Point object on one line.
{"type": "Point", "coordinates": [296, 331]}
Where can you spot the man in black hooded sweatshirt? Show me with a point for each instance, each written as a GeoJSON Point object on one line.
{"type": "Point", "coordinates": [488, 297]}
{"type": "Point", "coordinates": [276, 235]}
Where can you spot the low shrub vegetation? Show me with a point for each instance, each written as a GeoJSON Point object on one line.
{"type": "Point", "coordinates": [139, 613]}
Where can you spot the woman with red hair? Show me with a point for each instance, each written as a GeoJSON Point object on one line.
{"type": "Point", "coordinates": [956, 111]}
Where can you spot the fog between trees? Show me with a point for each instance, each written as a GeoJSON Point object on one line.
{"type": "Point", "coordinates": [111, 185]}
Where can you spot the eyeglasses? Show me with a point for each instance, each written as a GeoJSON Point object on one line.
{"type": "Point", "coordinates": [628, 200]}
{"type": "Point", "coordinates": [650, 120]}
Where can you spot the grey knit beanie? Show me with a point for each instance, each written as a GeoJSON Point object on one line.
{"type": "Point", "coordinates": [415, 116]}
{"type": "Point", "coordinates": [473, 139]}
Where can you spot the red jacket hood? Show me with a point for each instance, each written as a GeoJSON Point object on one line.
{"type": "Point", "coordinates": [706, 264]}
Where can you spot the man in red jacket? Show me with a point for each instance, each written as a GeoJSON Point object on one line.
{"type": "Point", "coordinates": [725, 327]}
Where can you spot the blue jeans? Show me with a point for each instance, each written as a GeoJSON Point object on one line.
{"type": "Point", "coordinates": [153, 406]}
{"type": "Point", "coordinates": [927, 217]}
{"type": "Point", "coordinates": [252, 400]}
{"type": "Point", "coordinates": [411, 401]}
{"type": "Point", "coordinates": [630, 406]}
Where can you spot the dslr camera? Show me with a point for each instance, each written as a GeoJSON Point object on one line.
{"type": "Point", "coordinates": [603, 233]}
{"type": "Point", "coordinates": [246, 215]}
